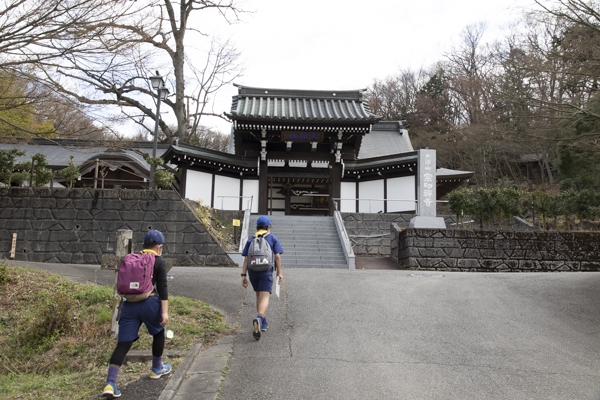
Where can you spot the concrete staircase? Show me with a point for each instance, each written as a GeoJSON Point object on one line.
{"type": "Point", "coordinates": [307, 241]}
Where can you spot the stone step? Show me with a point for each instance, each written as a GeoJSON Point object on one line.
{"type": "Point", "coordinates": [301, 241]}
{"type": "Point", "coordinates": [316, 253]}
{"type": "Point", "coordinates": [317, 265]}
{"type": "Point", "coordinates": [308, 242]}
{"type": "Point", "coordinates": [302, 250]}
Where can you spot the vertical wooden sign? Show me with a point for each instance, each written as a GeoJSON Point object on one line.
{"type": "Point", "coordinates": [13, 247]}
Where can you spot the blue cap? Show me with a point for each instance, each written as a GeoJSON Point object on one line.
{"type": "Point", "coordinates": [263, 221]}
{"type": "Point", "coordinates": [153, 238]}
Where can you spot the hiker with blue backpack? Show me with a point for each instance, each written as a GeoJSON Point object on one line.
{"type": "Point", "coordinates": [262, 254]}
{"type": "Point", "coordinates": [142, 285]}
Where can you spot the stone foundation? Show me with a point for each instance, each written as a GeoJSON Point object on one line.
{"type": "Point", "coordinates": [495, 251]}
{"type": "Point", "coordinates": [370, 233]}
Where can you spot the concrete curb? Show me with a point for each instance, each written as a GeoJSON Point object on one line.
{"type": "Point", "coordinates": [170, 390]}
{"type": "Point", "coordinates": [200, 376]}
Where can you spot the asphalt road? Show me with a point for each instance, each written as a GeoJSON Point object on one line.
{"type": "Point", "coordinates": [372, 334]}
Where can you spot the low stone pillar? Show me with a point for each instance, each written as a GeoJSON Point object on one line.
{"type": "Point", "coordinates": [123, 246]}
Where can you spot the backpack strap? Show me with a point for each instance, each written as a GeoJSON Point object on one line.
{"type": "Point", "coordinates": [154, 292]}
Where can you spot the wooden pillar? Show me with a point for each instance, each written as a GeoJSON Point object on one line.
{"type": "Point", "coordinates": [124, 246]}
{"type": "Point", "coordinates": [212, 190]}
{"type": "Point", "coordinates": [263, 188]}
{"type": "Point", "coordinates": [263, 181]}
{"type": "Point", "coordinates": [385, 196]}
{"type": "Point", "coordinates": [335, 184]}
{"type": "Point", "coordinates": [288, 202]}
{"type": "Point", "coordinates": [183, 182]}
{"type": "Point", "coordinates": [241, 202]}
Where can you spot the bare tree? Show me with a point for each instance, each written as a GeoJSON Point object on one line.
{"type": "Point", "coordinates": [30, 32]}
{"type": "Point", "coordinates": [107, 61]}
{"type": "Point", "coordinates": [209, 139]}
{"type": "Point", "coordinates": [467, 71]}
{"type": "Point", "coordinates": [394, 98]}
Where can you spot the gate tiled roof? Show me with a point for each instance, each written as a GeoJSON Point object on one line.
{"type": "Point", "coordinates": [295, 106]}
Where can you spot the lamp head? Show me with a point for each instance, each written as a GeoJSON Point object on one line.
{"type": "Point", "coordinates": [164, 93]}
{"type": "Point", "coordinates": [157, 81]}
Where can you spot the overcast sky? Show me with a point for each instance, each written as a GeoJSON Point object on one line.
{"type": "Point", "coordinates": [346, 44]}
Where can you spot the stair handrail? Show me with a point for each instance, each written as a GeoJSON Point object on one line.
{"type": "Point", "coordinates": [245, 227]}
{"type": "Point", "coordinates": [344, 238]}
{"type": "Point", "coordinates": [235, 197]}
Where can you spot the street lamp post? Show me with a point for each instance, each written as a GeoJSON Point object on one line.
{"type": "Point", "coordinates": [158, 83]}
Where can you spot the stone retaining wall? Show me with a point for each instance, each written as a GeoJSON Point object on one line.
{"type": "Point", "coordinates": [370, 233]}
{"type": "Point", "coordinates": [78, 226]}
{"type": "Point", "coordinates": [495, 251]}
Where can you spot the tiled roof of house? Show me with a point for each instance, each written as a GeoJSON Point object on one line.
{"type": "Point", "coordinates": [385, 138]}
{"type": "Point", "coordinates": [59, 151]}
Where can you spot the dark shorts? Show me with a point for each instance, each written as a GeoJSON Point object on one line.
{"type": "Point", "coordinates": [134, 314]}
{"type": "Point", "coordinates": [261, 281]}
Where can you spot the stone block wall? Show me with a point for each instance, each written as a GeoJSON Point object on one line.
{"type": "Point", "coordinates": [495, 251]}
{"type": "Point", "coordinates": [371, 235]}
{"type": "Point", "coordinates": [78, 226]}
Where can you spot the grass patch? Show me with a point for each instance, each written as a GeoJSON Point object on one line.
{"type": "Point", "coordinates": [222, 231]}
{"type": "Point", "coordinates": [56, 341]}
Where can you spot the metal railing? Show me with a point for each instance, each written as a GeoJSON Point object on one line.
{"type": "Point", "coordinates": [370, 201]}
{"type": "Point", "coordinates": [245, 230]}
{"type": "Point", "coordinates": [335, 201]}
{"type": "Point", "coordinates": [250, 202]}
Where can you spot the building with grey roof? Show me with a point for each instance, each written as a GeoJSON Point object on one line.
{"type": "Point", "coordinates": [299, 152]}
{"type": "Point", "coordinates": [118, 163]}
{"type": "Point", "coordinates": [293, 152]}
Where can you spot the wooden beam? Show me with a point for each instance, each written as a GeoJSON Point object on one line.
{"type": "Point", "coordinates": [263, 188]}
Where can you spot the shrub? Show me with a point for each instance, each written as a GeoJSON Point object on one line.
{"type": "Point", "coordinates": [70, 173]}
{"type": "Point", "coordinates": [501, 204]}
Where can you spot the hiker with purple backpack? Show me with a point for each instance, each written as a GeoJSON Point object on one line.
{"type": "Point", "coordinates": [146, 300]}
{"type": "Point", "coordinates": [262, 254]}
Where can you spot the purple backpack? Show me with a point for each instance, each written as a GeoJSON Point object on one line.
{"type": "Point", "coordinates": [134, 279]}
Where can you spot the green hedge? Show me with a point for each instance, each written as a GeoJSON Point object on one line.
{"type": "Point", "coordinates": [496, 205]}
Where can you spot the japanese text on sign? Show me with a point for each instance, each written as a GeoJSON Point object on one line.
{"type": "Point", "coordinates": [302, 136]}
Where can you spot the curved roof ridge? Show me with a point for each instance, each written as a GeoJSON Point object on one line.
{"type": "Point", "coordinates": [317, 106]}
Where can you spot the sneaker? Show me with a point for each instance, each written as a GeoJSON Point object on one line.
{"type": "Point", "coordinates": [256, 327]}
{"type": "Point", "coordinates": [264, 325]}
{"type": "Point", "coordinates": [158, 372]}
{"type": "Point", "coordinates": [110, 391]}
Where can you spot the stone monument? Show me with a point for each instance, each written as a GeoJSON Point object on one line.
{"type": "Point", "coordinates": [426, 217]}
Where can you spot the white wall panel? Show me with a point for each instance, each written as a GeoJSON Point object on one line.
{"type": "Point", "coordinates": [347, 191]}
{"type": "Point", "coordinates": [250, 189]}
{"type": "Point", "coordinates": [371, 194]}
{"type": "Point", "coordinates": [402, 188]}
{"type": "Point", "coordinates": [227, 193]}
{"type": "Point", "coordinates": [198, 187]}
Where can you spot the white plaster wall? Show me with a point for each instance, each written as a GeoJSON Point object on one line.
{"type": "Point", "coordinates": [347, 191]}
{"type": "Point", "coordinates": [250, 189]}
{"type": "Point", "coordinates": [402, 188]}
{"type": "Point", "coordinates": [227, 193]}
{"type": "Point", "coordinates": [198, 187]}
{"type": "Point", "coordinates": [370, 190]}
